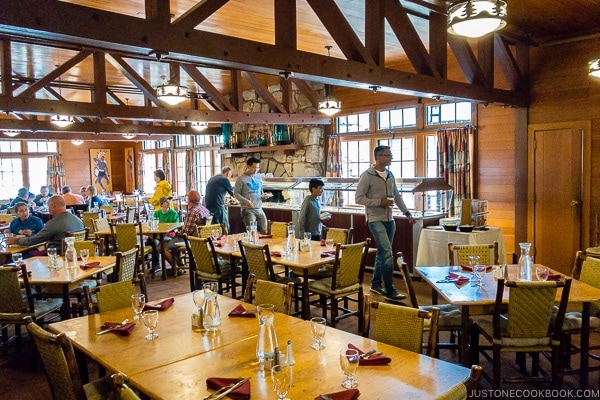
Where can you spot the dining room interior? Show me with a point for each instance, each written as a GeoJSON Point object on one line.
{"type": "Point", "coordinates": [495, 141]}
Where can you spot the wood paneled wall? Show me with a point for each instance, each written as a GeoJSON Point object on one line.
{"type": "Point", "coordinates": [77, 162]}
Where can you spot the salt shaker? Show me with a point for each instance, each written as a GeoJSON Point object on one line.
{"type": "Point", "coordinates": [290, 356]}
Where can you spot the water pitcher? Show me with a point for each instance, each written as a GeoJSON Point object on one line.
{"type": "Point", "coordinates": [70, 253]}
{"type": "Point", "coordinates": [267, 338]}
{"type": "Point", "coordinates": [525, 262]}
{"type": "Point", "coordinates": [211, 315]}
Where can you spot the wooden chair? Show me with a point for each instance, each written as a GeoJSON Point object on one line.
{"type": "Point", "coordinates": [101, 224]}
{"type": "Point", "coordinates": [402, 326]}
{"type": "Point", "coordinates": [6, 218]}
{"type": "Point", "coordinates": [587, 270]}
{"type": "Point", "coordinates": [79, 237]}
{"type": "Point", "coordinates": [464, 389]}
{"type": "Point", "coordinates": [17, 303]}
{"type": "Point", "coordinates": [267, 292]}
{"type": "Point", "coordinates": [206, 266]}
{"type": "Point", "coordinates": [126, 264]}
{"type": "Point", "coordinates": [278, 229]}
{"type": "Point", "coordinates": [131, 201]}
{"type": "Point", "coordinates": [346, 280]}
{"type": "Point", "coordinates": [121, 390]}
{"type": "Point", "coordinates": [526, 328]}
{"type": "Point", "coordinates": [205, 231]}
{"type": "Point", "coordinates": [95, 247]}
{"type": "Point", "coordinates": [129, 236]}
{"type": "Point", "coordinates": [113, 296]}
{"type": "Point", "coordinates": [339, 235]}
{"type": "Point", "coordinates": [458, 254]}
{"type": "Point", "coordinates": [450, 316]}
{"type": "Point", "coordinates": [131, 215]}
{"type": "Point", "coordinates": [88, 220]}
{"type": "Point", "coordinates": [61, 367]}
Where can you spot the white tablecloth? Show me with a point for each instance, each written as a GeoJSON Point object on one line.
{"type": "Point", "coordinates": [433, 244]}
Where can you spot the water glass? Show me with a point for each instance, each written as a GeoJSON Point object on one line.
{"type": "Point", "coordinates": [138, 301]}
{"type": "Point", "coordinates": [542, 273]}
{"type": "Point", "coordinates": [349, 359]}
{"type": "Point", "coordinates": [17, 258]}
{"type": "Point", "coordinates": [85, 255]}
{"type": "Point", "coordinates": [479, 272]}
{"type": "Point", "coordinates": [199, 298]}
{"type": "Point", "coordinates": [150, 319]}
{"type": "Point", "coordinates": [307, 236]}
{"type": "Point", "coordinates": [52, 261]}
{"type": "Point", "coordinates": [215, 234]}
{"type": "Point", "coordinates": [282, 380]}
{"type": "Point", "coordinates": [329, 244]}
{"type": "Point", "coordinates": [318, 326]}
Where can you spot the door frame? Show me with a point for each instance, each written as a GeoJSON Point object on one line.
{"type": "Point", "coordinates": [586, 171]}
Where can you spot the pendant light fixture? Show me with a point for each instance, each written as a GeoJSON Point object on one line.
{"type": "Point", "coordinates": [476, 18]}
{"type": "Point", "coordinates": [594, 68]}
{"type": "Point", "coordinates": [329, 106]}
{"type": "Point", "coordinates": [171, 93]}
{"type": "Point", "coordinates": [12, 133]}
{"type": "Point", "coordinates": [128, 135]}
{"type": "Point", "coordinates": [199, 126]}
{"type": "Point", "coordinates": [62, 120]}
{"type": "Point", "coordinates": [77, 142]}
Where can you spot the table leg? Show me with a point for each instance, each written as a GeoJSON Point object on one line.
{"type": "Point", "coordinates": [585, 346]}
{"type": "Point", "coordinates": [163, 262]}
{"type": "Point", "coordinates": [464, 337]}
{"type": "Point", "coordinates": [305, 297]}
{"type": "Point", "coordinates": [65, 310]}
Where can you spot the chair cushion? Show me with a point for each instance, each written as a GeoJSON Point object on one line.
{"type": "Point", "coordinates": [323, 286]}
{"type": "Point", "coordinates": [573, 321]}
{"type": "Point", "coordinates": [486, 327]}
{"type": "Point", "coordinates": [100, 389]}
{"type": "Point", "coordinates": [450, 316]}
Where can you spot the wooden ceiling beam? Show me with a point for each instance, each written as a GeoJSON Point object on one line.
{"type": "Point", "coordinates": [375, 30]}
{"type": "Point", "coordinates": [467, 60]}
{"type": "Point", "coordinates": [220, 102]}
{"type": "Point", "coordinates": [285, 24]}
{"type": "Point", "coordinates": [153, 114]}
{"type": "Point", "coordinates": [507, 63]}
{"type": "Point", "coordinates": [198, 13]}
{"type": "Point", "coordinates": [307, 91]}
{"type": "Point", "coordinates": [100, 89]}
{"type": "Point", "coordinates": [139, 82]}
{"type": "Point", "coordinates": [7, 73]}
{"type": "Point", "coordinates": [263, 92]}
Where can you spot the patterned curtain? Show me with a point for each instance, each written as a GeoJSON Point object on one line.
{"type": "Point", "coordinates": [190, 171]}
{"type": "Point", "coordinates": [333, 165]}
{"type": "Point", "coordinates": [167, 165]}
{"type": "Point", "coordinates": [454, 162]}
{"type": "Point", "coordinates": [56, 173]}
{"type": "Point", "coordinates": [140, 171]}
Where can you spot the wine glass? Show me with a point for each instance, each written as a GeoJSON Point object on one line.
{"type": "Point", "coordinates": [329, 244]}
{"type": "Point", "coordinates": [51, 258]}
{"type": "Point", "coordinates": [17, 258]}
{"type": "Point", "coordinates": [282, 380]}
{"type": "Point", "coordinates": [307, 236]}
{"type": "Point", "coordinates": [85, 255]}
{"type": "Point", "coordinates": [150, 321]}
{"type": "Point", "coordinates": [138, 301]}
{"type": "Point", "coordinates": [542, 273]}
{"type": "Point", "coordinates": [479, 272]}
{"type": "Point", "coordinates": [318, 326]}
{"type": "Point", "coordinates": [199, 298]}
{"type": "Point", "coordinates": [215, 234]}
{"type": "Point", "coordinates": [473, 260]}
{"type": "Point", "coordinates": [349, 362]}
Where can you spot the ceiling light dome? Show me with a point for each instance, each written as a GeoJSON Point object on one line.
{"type": "Point", "coordinates": [171, 94]}
{"type": "Point", "coordinates": [476, 18]}
{"type": "Point", "coordinates": [594, 68]}
{"type": "Point", "coordinates": [77, 142]}
{"type": "Point", "coordinates": [62, 120]}
{"type": "Point", "coordinates": [128, 135]}
{"type": "Point", "coordinates": [12, 133]}
{"type": "Point", "coordinates": [330, 106]}
{"type": "Point", "coordinates": [199, 126]}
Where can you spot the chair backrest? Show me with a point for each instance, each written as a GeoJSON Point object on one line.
{"type": "Point", "coordinates": [112, 296]}
{"type": "Point", "coordinates": [131, 201]}
{"type": "Point", "coordinates": [410, 288]}
{"type": "Point", "coordinates": [267, 292]}
{"type": "Point", "coordinates": [88, 220]}
{"type": "Point", "coordinates": [59, 363]}
{"type": "Point", "coordinates": [91, 245]}
{"type": "Point", "coordinates": [402, 326]}
{"type": "Point", "coordinates": [530, 310]}
{"type": "Point", "coordinates": [78, 235]}
{"type": "Point", "coordinates": [258, 260]}
{"type": "Point", "coordinates": [278, 229]}
{"type": "Point", "coordinates": [587, 269]}
{"type": "Point", "coordinates": [205, 231]}
{"type": "Point", "coordinates": [101, 224]}
{"type": "Point", "coordinates": [458, 254]}
{"type": "Point", "coordinates": [126, 264]}
{"type": "Point", "coordinates": [203, 258]}
{"type": "Point", "coordinates": [349, 264]}
{"type": "Point", "coordinates": [11, 297]}
{"type": "Point", "coordinates": [464, 389]}
{"type": "Point", "coordinates": [339, 235]}
{"type": "Point", "coordinates": [126, 235]}
{"type": "Point", "coordinates": [130, 214]}
{"type": "Point", "coordinates": [6, 218]}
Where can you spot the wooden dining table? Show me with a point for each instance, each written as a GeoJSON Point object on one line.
{"type": "Point", "coordinates": [64, 280]}
{"type": "Point", "coordinates": [178, 362]}
{"type": "Point", "coordinates": [6, 252]}
{"type": "Point", "coordinates": [158, 233]}
{"type": "Point", "coordinates": [476, 300]}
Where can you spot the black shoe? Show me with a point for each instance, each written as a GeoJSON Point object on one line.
{"type": "Point", "coordinates": [378, 290]}
{"type": "Point", "coordinates": [395, 295]}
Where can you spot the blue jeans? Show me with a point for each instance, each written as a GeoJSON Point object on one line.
{"type": "Point", "coordinates": [220, 216]}
{"type": "Point", "coordinates": [383, 234]}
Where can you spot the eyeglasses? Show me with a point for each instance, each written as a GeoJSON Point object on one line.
{"type": "Point", "coordinates": [386, 155]}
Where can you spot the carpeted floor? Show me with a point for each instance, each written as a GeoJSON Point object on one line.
{"type": "Point", "coordinates": [21, 378]}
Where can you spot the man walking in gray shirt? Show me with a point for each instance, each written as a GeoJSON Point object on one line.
{"type": "Point", "coordinates": [248, 191]}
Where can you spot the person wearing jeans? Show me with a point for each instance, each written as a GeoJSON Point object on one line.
{"type": "Point", "coordinates": [377, 191]}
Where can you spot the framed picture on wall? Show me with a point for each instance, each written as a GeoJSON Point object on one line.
{"type": "Point", "coordinates": [129, 170]}
{"type": "Point", "coordinates": [100, 168]}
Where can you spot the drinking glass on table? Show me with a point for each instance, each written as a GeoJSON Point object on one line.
{"type": "Point", "coordinates": [150, 319]}
{"type": "Point", "coordinates": [318, 326]}
{"type": "Point", "coordinates": [85, 255]}
{"type": "Point", "coordinates": [138, 301]}
{"type": "Point", "coordinates": [215, 234]}
{"type": "Point", "coordinates": [307, 236]}
{"type": "Point", "coordinates": [349, 359]}
{"type": "Point", "coordinates": [17, 258]}
{"type": "Point", "coordinates": [52, 264]}
{"type": "Point", "coordinates": [282, 380]}
{"type": "Point", "coordinates": [329, 244]}
{"type": "Point", "coordinates": [199, 298]}
{"type": "Point", "coordinates": [479, 272]}
{"type": "Point", "coordinates": [542, 273]}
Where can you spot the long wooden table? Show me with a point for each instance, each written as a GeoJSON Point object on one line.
{"type": "Point", "coordinates": [64, 280]}
{"type": "Point", "coordinates": [475, 300]}
{"type": "Point", "coordinates": [6, 252]}
{"type": "Point", "coordinates": [159, 233]}
{"type": "Point", "coordinates": [178, 362]}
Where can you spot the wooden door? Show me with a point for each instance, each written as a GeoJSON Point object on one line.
{"type": "Point", "coordinates": [556, 195]}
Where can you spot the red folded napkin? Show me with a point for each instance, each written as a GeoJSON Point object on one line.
{"type": "Point", "coordinates": [350, 394]}
{"type": "Point", "coordinates": [218, 244]}
{"type": "Point", "coordinates": [125, 330]}
{"type": "Point", "coordinates": [240, 393]}
{"type": "Point", "coordinates": [329, 253]}
{"type": "Point", "coordinates": [160, 306]}
{"type": "Point", "coordinates": [468, 268]}
{"type": "Point", "coordinates": [372, 360]}
{"type": "Point", "coordinates": [554, 277]}
{"type": "Point", "coordinates": [458, 279]}
{"type": "Point", "coordinates": [89, 265]}
{"type": "Point", "coordinates": [222, 237]}
{"type": "Point", "coordinates": [240, 311]}
{"type": "Point", "coordinates": [276, 253]}
{"type": "Point", "coordinates": [264, 236]}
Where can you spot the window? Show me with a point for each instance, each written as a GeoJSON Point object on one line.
{"type": "Point", "coordinates": [203, 164]}
{"type": "Point", "coordinates": [403, 149]}
{"type": "Point", "coordinates": [11, 176]}
{"type": "Point", "coordinates": [355, 160]}
{"type": "Point", "coordinates": [149, 161]}
{"type": "Point", "coordinates": [449, 113]}
{"type": "Point", "coordinates": [10, 146]}
{"type": "Point", "coordinates": [431, 156]}
{"type": "Point", "coordinates": [353, 123]}
{"type": "Point", "coordinates": [36, 178]}
{"type": "Point", "coordinates": [184, 141]}
{"type": "Point", "coordinates": [397, 118]}
{"type": "Point", "coordinates": [181, 167]}
{"type": "Point", "coordinates": [41, 147]}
